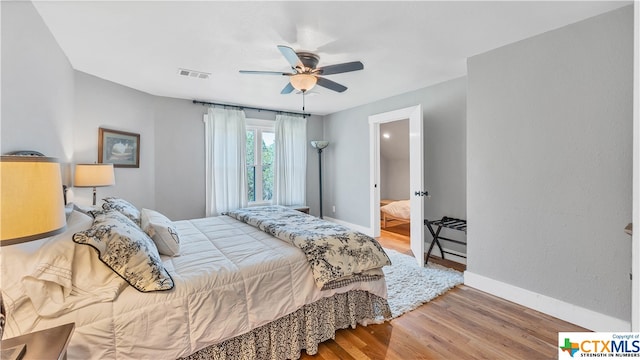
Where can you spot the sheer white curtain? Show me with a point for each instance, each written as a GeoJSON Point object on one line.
{"type": "Point", "coordinates": [226, 170]}
{"type": "Point", "coordinates": [290, 163]}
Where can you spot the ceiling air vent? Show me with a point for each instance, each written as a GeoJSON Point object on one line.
{"type": "Point", "coordinates": [194, 74]}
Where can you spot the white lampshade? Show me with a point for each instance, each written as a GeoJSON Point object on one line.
{"type": "Point", "coordinates": [319, 144]}
{"type": "Point", "coordinates": [94, 175]}
{"type": "Point", "coordinates": [303, 82]}
{"type": "Point", "coordinates": [31, 204]}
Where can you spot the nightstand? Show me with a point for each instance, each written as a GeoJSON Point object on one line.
{"type": "Point", "coordinates": [301, 208]}
{"type": "Point", "coordinates": [44, 344]}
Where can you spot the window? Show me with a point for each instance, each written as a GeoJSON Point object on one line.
{"type": "Point", "coordinates": [260, 155]}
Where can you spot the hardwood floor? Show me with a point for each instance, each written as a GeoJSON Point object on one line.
{"type": "Point", "coordinates": [463, 323]}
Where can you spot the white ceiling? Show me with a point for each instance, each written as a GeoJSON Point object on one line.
{"type": "Point", "coordinates": [404, 46]}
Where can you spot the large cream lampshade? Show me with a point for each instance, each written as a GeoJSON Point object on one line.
{"type": "Point", "coordinates": [31, 201]}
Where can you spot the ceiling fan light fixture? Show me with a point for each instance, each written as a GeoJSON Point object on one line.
{"type": "Point", "coordinates": [303, 82]}
{"type": "Point", "coordinates": [305, 74]}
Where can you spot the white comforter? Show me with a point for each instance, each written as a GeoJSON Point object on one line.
{"type": "Point", "coordinates": [229, 279]}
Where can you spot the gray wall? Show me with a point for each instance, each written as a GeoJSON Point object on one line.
{"type": "Point", "coordinates": [347, 157]}
{"type": "Point", "coordinates": [180, 174]}
{"type": "Point", "coordinates": [549, 161]}
{"type": "Point", "coordinates": [180, 161]}
{"type": "Point", "coordinates": [37, 86]}
{"type": "Point", "coordinates": [394, 178]}
{"type": "Point", "coordinates": [49, 107]}
{"type": "Point", "coordinates": [394, 160]}
{"type": "Point", "coordinates": [101, 103]}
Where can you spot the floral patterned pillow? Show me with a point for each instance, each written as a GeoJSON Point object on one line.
{"type": "Point", "coordinates": [125, 207]}
{"type": "Point", "coordinates": [162, 232]}
{"type": "Point", "coordinates": [127, 250]}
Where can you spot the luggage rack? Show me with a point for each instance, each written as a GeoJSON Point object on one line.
{"type": "Point", "coordinates": [449, 223]}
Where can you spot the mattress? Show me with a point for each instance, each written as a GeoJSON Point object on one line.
{"type": "Point", "coordinates": [230, 278]}
{"type": "Point", "coordinates": [400, 209]}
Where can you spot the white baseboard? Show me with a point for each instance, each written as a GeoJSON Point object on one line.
{"type": "Point", "coordinates": [562, 310]}
{"type": "Point", "coordinates": [452, 255]}
{"type": "Point", "coordinates": [362, 229]}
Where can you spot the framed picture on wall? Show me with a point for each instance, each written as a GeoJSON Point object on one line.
{"type": "Point", "coordinates": [120, 148]}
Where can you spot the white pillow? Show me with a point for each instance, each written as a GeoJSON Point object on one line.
{"type": "Point", "coordinates": [162, 231]}
{"type": "Point", "coordinates": [85, 209]}
{"type": "Point", "coordinates": [68, 210]}
{"type": "Point", "coordinates": [54, 277]}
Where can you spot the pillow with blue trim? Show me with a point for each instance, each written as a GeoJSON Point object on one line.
{"type": "Point", "coordinates": [127, 250]}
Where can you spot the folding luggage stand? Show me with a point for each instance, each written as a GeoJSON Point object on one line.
{"type": "Point", "coordinates": [445, 222]}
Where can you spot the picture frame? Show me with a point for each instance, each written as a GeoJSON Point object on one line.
{"type": "Point", "coordinates": [120, 148]}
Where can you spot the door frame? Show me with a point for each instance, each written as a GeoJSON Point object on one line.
{"type": "Point", "coordinates": [635, 237]}
{"type": "Point", "coordinates": [416, 164]}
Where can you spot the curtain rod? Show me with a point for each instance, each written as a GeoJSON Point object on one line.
{"type": "Point", "coordinates": [241, 107]}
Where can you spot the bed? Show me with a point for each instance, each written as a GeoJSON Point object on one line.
{"type": "Point", "coordinates": [395, 212]}
{"type": "Point", "coordinates": [232, 290]}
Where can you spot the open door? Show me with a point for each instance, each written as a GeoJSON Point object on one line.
{"type": "Point", "coordinates": [416, 176]}
{"type": "Point", "coordinates": [416, 180]}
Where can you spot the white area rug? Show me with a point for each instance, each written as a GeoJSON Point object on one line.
{"type": "Point", "coordinates": [409, 286]}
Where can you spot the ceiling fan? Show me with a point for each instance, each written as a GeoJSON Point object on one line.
{"type": "Point", "coordinates": [305, 74]}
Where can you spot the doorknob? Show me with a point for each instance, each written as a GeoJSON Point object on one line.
{"type": "Point", "coordinates": [421, 193]}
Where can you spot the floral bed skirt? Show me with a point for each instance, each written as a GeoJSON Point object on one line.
{"type": "Point", "coordinates": [303, 329]}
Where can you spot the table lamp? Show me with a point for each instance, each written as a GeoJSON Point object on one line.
{"type": "Point", "coordinates": [31, 207]}
{"type": "Point", "coordinates": [94, 175]}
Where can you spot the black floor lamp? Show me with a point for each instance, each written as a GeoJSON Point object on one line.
{"type": "Point", "coordinates": [319, 145]}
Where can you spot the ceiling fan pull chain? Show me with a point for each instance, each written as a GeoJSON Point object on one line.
{"type": "Point", "coordinates": [303, 92]}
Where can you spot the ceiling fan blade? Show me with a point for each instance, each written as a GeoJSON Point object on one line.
{"type": "Point", "coordinates": [331, 85]}
{"type": "Point", "coordinates": [287, 89]}
{"type": "Point", "coordinates": [291, 56]}
{"type": "Point", "coordinates": [340, 68]}
{"type": "Point", "coordinates": [265, 72]}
